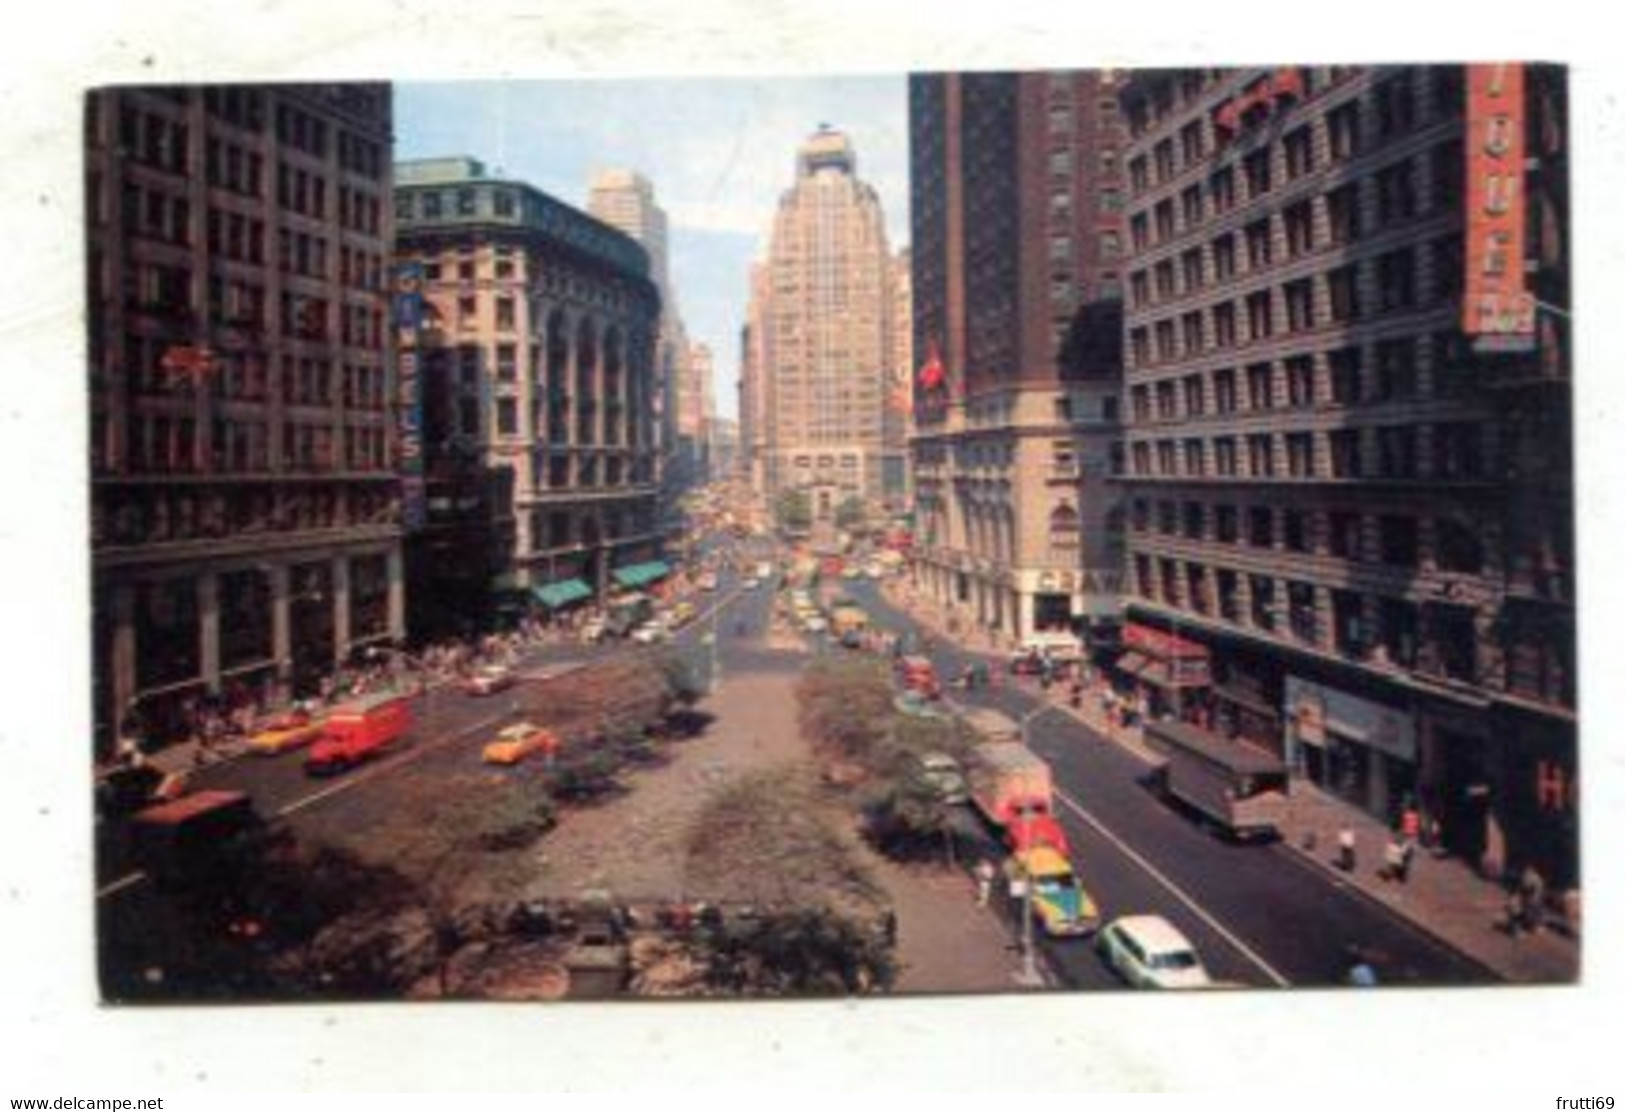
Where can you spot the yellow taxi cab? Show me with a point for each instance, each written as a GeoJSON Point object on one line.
{"type": "Point", "coordinates": [514, 743]}
{"type": "Point", "coordinates": [288, 732]}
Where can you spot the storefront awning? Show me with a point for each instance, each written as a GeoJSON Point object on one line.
{"type": "Point", "coordinates": [562, 593]}
{"type": "Point", "coordinates": [638, 575]}
{"type": "Point", "coordinates": [1131, 664]}
{"type": "Point", "coordinates": [1156, 672]}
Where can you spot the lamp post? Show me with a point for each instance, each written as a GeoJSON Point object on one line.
{"type": "Point", "coordinates": [1029, 976]}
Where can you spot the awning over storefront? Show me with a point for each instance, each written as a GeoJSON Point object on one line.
{"type": "Point", "coordinates": [1131, 664]}
{"type": "Point", "coordinates": [562, 593]}
{"type": "Point", "coordinates": [638, 575]}
{"type": "Point", "coordinates": [1156, 672]}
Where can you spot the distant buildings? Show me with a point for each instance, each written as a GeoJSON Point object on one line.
{"type": "Point", "coordinates": [1348, 435]}
{"type": "Point", "coordinates": [1017, 194]}
{"type": "Point", "coordinates": [244, 496]}
{"type": "Point", "coordinates": [537, 354]}
{"type": "Point", "coordinates": [625, 199]}
{"type": "Point", "coordinates": [897, 423]}
{"type": "Point", "coordinates": [825, 315]}
{"type": "Point", "coordinates": [755, 381]}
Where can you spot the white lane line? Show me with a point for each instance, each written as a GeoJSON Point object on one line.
{"type": "Point", "coordinates": [1196, 909]}
{"type": "Point", "coordinates": [129, 880]}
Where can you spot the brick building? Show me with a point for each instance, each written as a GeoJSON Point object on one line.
{"type": "Point", "coordinates": [1348, 496]}
{"type": "Point", "coordinates": [1017, 247]}
{"type": "Point", "coordinates": [244, 499]}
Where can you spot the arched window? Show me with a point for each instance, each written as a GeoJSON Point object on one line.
{"type": "Point", "coordinates": [1064, 529]}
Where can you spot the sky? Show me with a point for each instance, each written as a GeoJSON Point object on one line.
{"type": "Point", "coordinates": [719, 153]}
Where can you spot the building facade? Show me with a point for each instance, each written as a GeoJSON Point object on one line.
{"type": "Point", "coordinates": [754, 381]}
{"type": "Point", "coordinates": [828, 332]}
{"type": "Point", "coordinates": [625, 199]}
{"type": "Point", "coordinates": [244, 500]}
{"type": "Point", "coordinates": [898, 423]}
{"type": "Point", "coordinates": [537, 353]}
{"type": "Point", "coordinates": [1349, 486]}
{"type": "Point", "coordinates": [1017, 194]}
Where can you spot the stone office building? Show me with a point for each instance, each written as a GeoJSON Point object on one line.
{"type": "Point", "coordinates": [244, 498]}
{"type": "Point", "coordinates": [1348, 434]}
{"type": "Point", "coordinates": [537, 354]}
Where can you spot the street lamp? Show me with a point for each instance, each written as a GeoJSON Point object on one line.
{"type": "Point", "coordinates": [1029, 976]}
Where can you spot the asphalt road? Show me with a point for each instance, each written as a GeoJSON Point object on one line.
{"type": "Point", "coordinates": [1258, 914]}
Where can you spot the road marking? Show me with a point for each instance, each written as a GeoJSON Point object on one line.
{"type": "Point", "coordinates": [129, 880]}
{"type": "Point", "coordinates": [369, 774]}
{"type": "Point", "coordinates": [1196, 909]}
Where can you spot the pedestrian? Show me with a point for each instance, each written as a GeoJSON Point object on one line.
{"type": "Point", "coordinates": [1532, 894]}
{"type": "Point", "coordinates": [984, 881]}
{"type": "Point", "coordinates": [1393, 860]}
{"type": "Point", "coordinates": [1345, 849]}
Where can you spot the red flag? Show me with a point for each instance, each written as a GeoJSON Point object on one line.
{"type": "Point", "coordinates": [932, 376]}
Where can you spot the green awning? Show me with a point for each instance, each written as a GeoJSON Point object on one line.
{"type": "Point", "coordinates": [562, 593]}
{"type": "Point", "coordinates": [637, 575]}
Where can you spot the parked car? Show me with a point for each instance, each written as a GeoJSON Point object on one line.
{"type": "Point", "coordinates": [516, 742]}
{"type": "Point", "coordinates": [708, 582]}
{"type": "Point", "coordinates": [284, 733]}
{"type": "Point", "coordinates": [489, 680]}
{"type": "Point", "coordinates": [1147, 951]}
{"type": "Point", "coordinates": [594, 630]}
{"type": "Point", "coordinates": [751, 583]}
{"type": "Point", "coordinates": [943, 775]}
{"type": "Point", "coordinates": [652, 632]}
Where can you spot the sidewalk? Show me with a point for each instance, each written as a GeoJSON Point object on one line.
{"type": "Point", "coordinates": [1443, 897]}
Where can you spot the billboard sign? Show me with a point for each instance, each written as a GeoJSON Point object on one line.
{"type": "Point", "coordinates": [1497, 309]}
{"type": "Point", "coordinates": [408, 313]}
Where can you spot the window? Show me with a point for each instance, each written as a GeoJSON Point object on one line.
{"type": "Point", "coordinates": [1166, 464]}
{"type": "Point", "coordinates": [1345, 452]}
{"type": "Point", "coordinates": [1260, 315]}
{"type": "Point", "coordinates": [1300, 305]}
{"type": "Point", "coordinates": [1142, 458]}
{"type": "Point", "coordinates": [1454, 642]}
{"type": "Point", "coordinates": [1446, 166]}
{"type": "Point", "coordinates": [1164, 332]}
{"type": "Point", "coordinates": [1396, 279]}
{"type": "Point", "coordinates": [1224, 324]}
{"type": "Point", "coordinates": [1396, 451]}
{"type": "Point", "coordinates": [1343, 131]}
{"type": "Point", "coordinates": [1190, 265]}
{"type": "Point", "coordinates": [1139, 227]}
{"type": "Point", "coordinates": [1301, 614]}
{"type": "Point", "coordinates": [1192, 520]}
{"type": "Point", "coordinates": [1163, 278]}
{"type": "Point", "coordinates": [1260, 388]}
{"type": "Point", "coordinates": [1258, 244]}
{"type": "Point", "coordinates": [1256, 168]}
{"type": "Point", "coordinates": [1457, 547]}
{"type": "Point", "coordinates": [1224, 391]}
{"type": "Point", "coordinates": [1196, 588]}
{"type": "Point", "coordinates": [1139, 284]}
{"type": "Point", "coordinates": [1140, 346]}
{"type": "Point", "coordinates": [503, 202]}
{"type": "Point", "coordinates": [1348, 623]}
{"type": "Point", "coordinates": [1397, 536]}
{"type": "Point", "coordinates": [1163, 215]}
{"type": "Point", "coordinates": [1300, 381]}
{"type": "Point", "coordinates": [1299, 219]}
{"type": "Point", "coordinates": [1457, 451]}
{"type": "Point", "coordinates": [1224, 455]}
{"type": "Point", "coordinates": [1344, 365]}
{"type": "Point", "coordinates": [1343, 214]}
{"type": "Point", "coordinates": [1300, 152]}
{"type": "Point", "coordinates": [1163, 153]}
{"type": "Point", "coordinates": [1221, 187]}
{"type": "Point", "coordinates": [1190, 206]}
{"type": "Point", "coordinates": [505, 314]}
{"type": "Point", "coordinates": [1343, 294]}
{"type": "Point", "coordinates": [1395, 372]}
{"type": "Point", "coordinates": [1396, 192]}
{"type": "Point", "coordinates": [1343, 534]}
{"type": "Point", "coordinates": [507, 417]}
{"type": "Point", "coordinates": [1191, 144]}
{"type": "Point", "coordinates": [1396, 105]}
{"type": "Point", "coordinates": [1195, 460]}
{"type": "Point", "coordinates": [1300, 455]}
{"type": "Point", "coordinates": [1448, 269]}
{"type": "Point", "coordinates": [1190, 325]}
{"type": "Point", "coordinates": [1398, 631]}
{"type": "Point", "coordinates": [1167, 518]}
{"type": "Point", "coordinates": [1263, 601]}
{"type": "Point", "coordinates": [1224, 524]}
{"type": "Point", "coordinates": [1140, 400]}
{"type": "Point", "coordinates": [1170, 581]}
{"type": "Point", "coordinates": [1224, 257]}
{"type": "Point", "coordinates": [1229, 595]}
{"type": "Point", "coordinates": [1139, 175]}
{"type": "Point", "coordinates": [1295, 530]}
{"type": "Point", "coordinates": [1260, 456]}
{"type": "Point", "coordinates": [1194, 400]}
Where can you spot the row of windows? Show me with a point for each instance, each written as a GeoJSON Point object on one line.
{"type": "Point", "coordinates": [1340, 376]}
{"type": "Point", "coordinates": [432, 204]}
{"type": "Point", "coordinates": [156, 517]}
{"type": "Point", "coordinates": [1338, 297]}
{"type": "Point", "coordinates": [1393, 192]}
{"type": "Point", "coordinates": [1447, 451]}
{"type": "Point", "coordinates": [168, 444]}
{"type": "Point", "coordinates": [1443, 543]}
{"type": "Point", "coordinates": [1436, 639]}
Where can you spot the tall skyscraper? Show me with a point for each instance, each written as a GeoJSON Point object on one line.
{"type": "Point", "coordinates": [755, 380]}
{"type": "Point", "coordinates": [898, 422]}
{"type": "Point", "coordinates": [828, 332]}
{"type": "Point", "coordinates": [625, 199]}
{"type": "Point", "coordinates": [1017, 196]}
{"type": "Point", "coordinates": [245, 505]}
{"type": "Point", "coordinates": [1349, 472]}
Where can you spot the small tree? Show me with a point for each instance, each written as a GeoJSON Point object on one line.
{"type": "Point", "coordinates": [850, 513]}
{"type": "Point", "coordinates": [793, 510]}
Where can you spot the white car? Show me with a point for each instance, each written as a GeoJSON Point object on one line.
{"type": "Point", "coordinates": [708, 582]}
{"type": "Point", "coordinates": [651, 633]}
{"type": "Point", "coordinates": [1148, 952]}
{"type": "Point", "coordinates": [751, 583]}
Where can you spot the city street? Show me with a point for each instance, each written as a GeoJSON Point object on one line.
{"type": "Point", "coordinates": [1257, 914]}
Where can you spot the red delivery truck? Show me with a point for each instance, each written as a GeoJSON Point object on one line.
{"type": "Point", "coordinates": [358, 730]}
